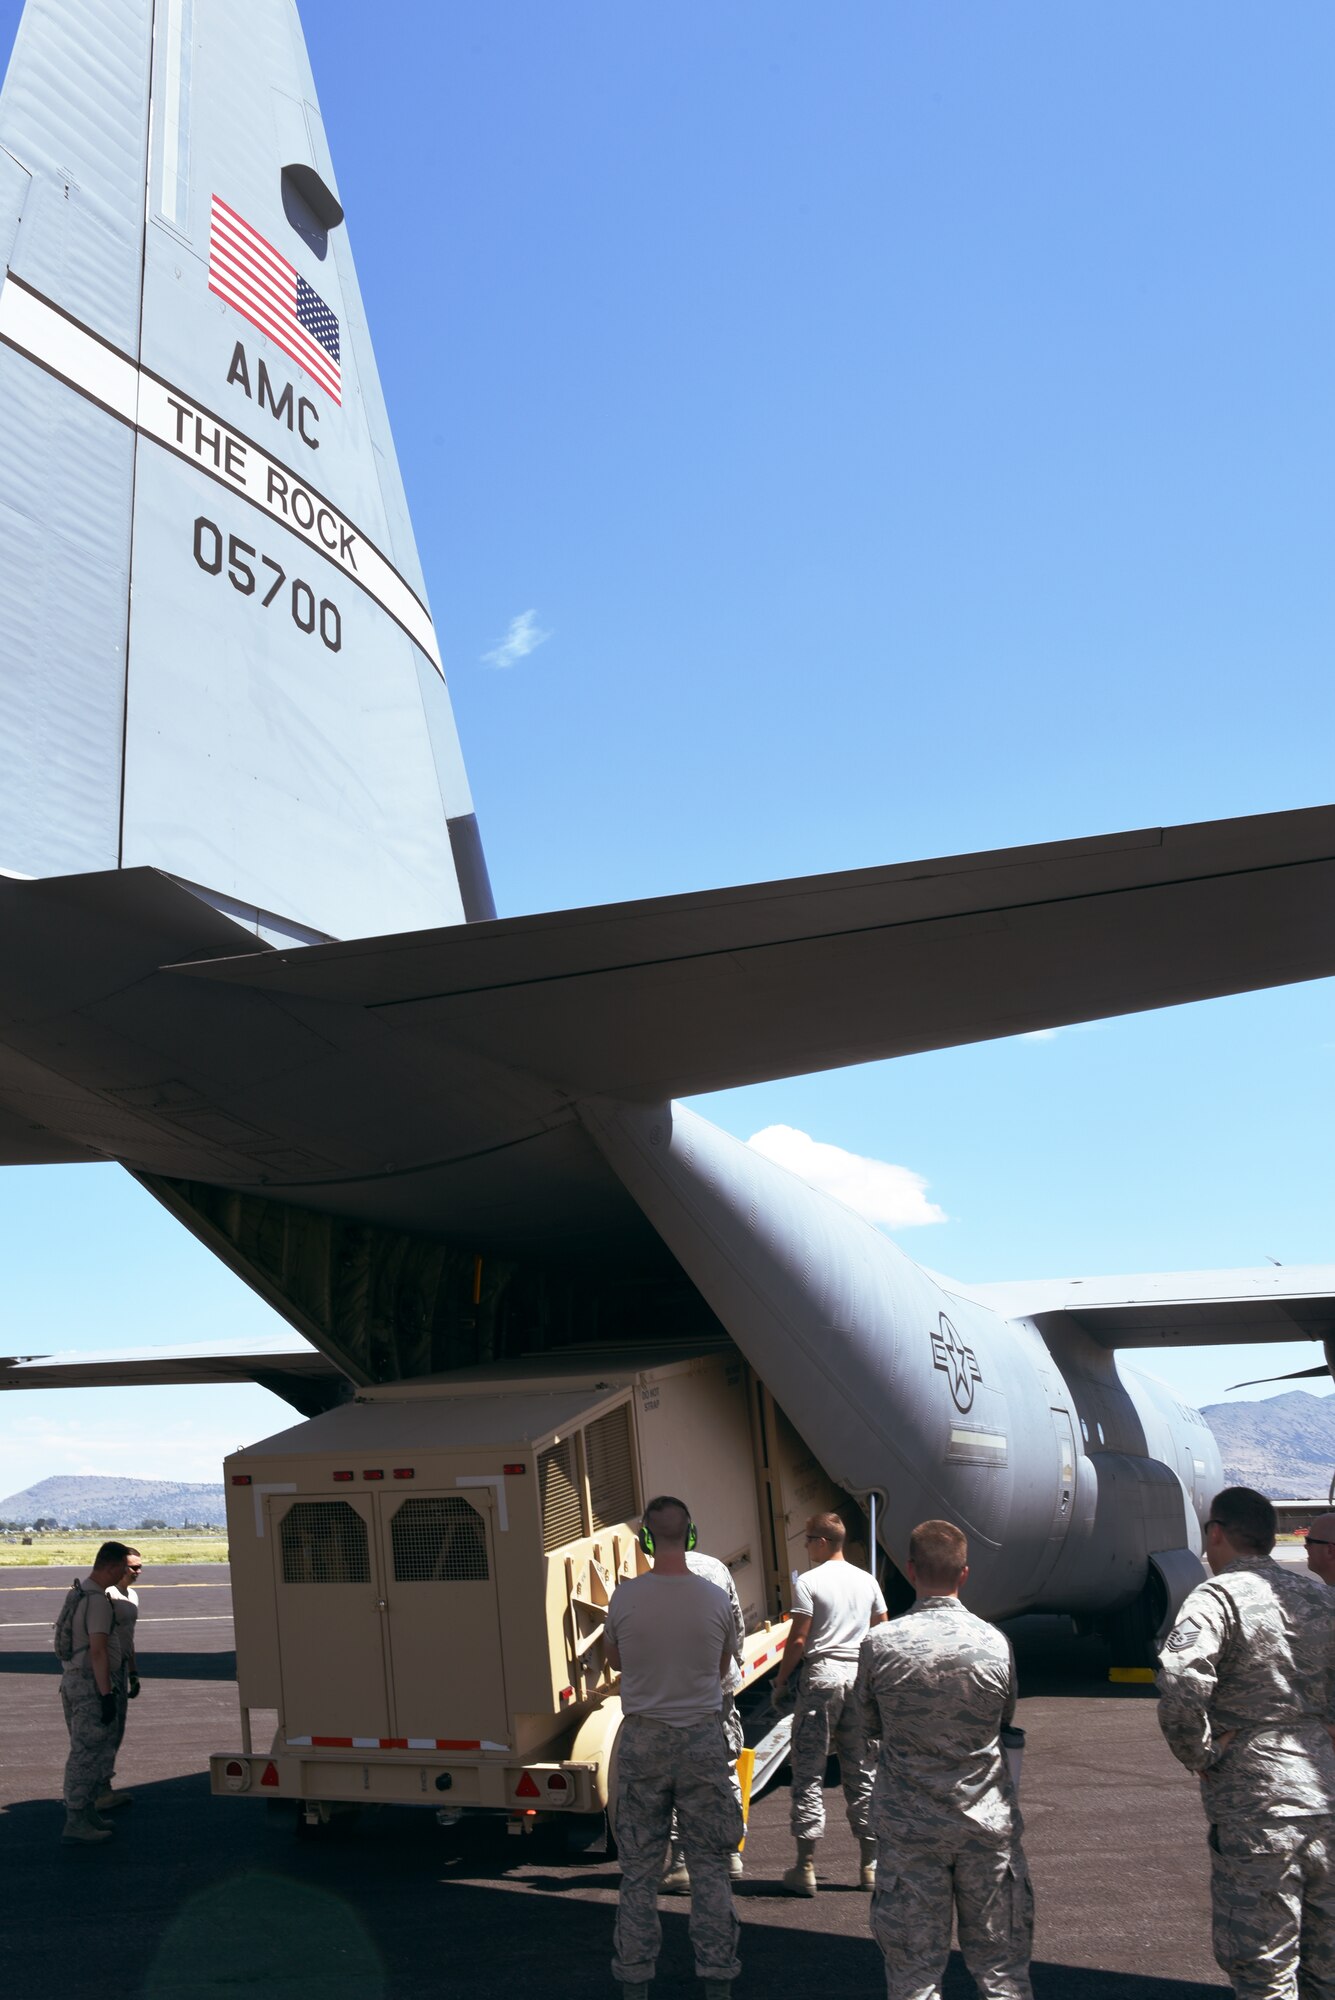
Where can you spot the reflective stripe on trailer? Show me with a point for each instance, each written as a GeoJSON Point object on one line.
{"type": "Point", "coordinates": [769, 1658]}
{"type": "Point", "coordinates": [391, 1743]}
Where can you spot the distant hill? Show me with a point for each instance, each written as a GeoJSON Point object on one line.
{"type": "Point", "coordinates": [116, 1503]}
{"type": "Point", "coordinates": [1281, 1445]}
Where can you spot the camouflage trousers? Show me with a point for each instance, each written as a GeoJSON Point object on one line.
{"type": "Point", "coordinates": [919, 1889]}
{"type": "Point", "coordinates": [735, 1738]}
{"type": "Point", "coordinates": [659, 1767]}
{"type": "Point", "coordinates": [92, 1755]}
{"type": "Point", "coordinates": [1272, 1890]}
{"type": "Point", "coordinates": [825, 1719]}
{"type": "Point", "coordinates": [122, 1687]}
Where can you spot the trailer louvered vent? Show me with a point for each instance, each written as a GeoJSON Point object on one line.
{"type": "Point", "coordinates": [439, 1541]}
{"type": "Point", "coordinates": [558, 1477]}
{"type": "Point", "coordinates": [607, 1453]}
{"type": "Point", "coordinates": [324, 1541]}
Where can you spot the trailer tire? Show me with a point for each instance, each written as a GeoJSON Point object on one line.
{"type": "Point", "coordinates": [582, 1833]}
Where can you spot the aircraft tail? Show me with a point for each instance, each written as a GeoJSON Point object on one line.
{"type": "Point", "coordinates": [218, 655]}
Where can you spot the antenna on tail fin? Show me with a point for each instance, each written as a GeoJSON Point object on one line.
{"type": "Point", "coordinates": [219, 658]}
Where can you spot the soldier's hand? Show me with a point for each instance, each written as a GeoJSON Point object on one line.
{"type": "Point", "coordinates": [1221, 1743]}
{"type": "Point", "coordinates": [108, 1709]}
{"type": "Point", "coordinates": [132, 1688]}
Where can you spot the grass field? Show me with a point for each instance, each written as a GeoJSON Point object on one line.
{"type": "Point", "coordinates": [75, 1552]}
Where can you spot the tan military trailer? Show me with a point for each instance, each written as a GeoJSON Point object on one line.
{"type": "Point", "coordinates": [421, 1576]}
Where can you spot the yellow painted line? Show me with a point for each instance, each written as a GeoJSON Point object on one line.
{"type": "Point", "coordinates": [211, 1583]}
{"type": "Point", "coordinates": [199, 1618]}
{"type": "Point", "coordinates": [1131, 1674]}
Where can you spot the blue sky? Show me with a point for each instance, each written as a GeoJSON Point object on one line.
{"type": "Point", "coordinates": [911, 429]}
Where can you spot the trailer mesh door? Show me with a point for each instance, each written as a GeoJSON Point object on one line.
{"type": "Point", "coordinates": [439, 1541]}
{"type": "Point", "coordinates": [443, 1628]}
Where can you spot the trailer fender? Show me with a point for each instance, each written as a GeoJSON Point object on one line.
{"type": "Point", "coordinates": [596, 1743]}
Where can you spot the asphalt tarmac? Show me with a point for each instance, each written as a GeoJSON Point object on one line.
{"type": "Point", "coordinates": [198, 1898]}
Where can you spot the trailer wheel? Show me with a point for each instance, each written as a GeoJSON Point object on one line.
{"type": "Point", "coordinates": [582, 1833]}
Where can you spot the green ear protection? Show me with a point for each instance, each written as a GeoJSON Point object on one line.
{"type": "Point", "coordinates": [647, 1540]}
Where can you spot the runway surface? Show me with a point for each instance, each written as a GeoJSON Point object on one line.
{"type": "Point", "coordinates": [197, 1897]}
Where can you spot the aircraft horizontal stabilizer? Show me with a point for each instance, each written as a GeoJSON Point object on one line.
{"type": "Point", "coordinates": [682, 994]}
{"type": "Point", "coordinates": [405, 1080]}
{"type": "Point", "coordinates": [1179, 1308]}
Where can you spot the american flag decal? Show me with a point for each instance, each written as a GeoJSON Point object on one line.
{"type": "Point", "coordinates": [272, 294]}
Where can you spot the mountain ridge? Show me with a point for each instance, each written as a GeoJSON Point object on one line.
{"type": "Point", "coordinates": [1281, 1445]}
{"type": "Point", "coordinates": [88, 1500]}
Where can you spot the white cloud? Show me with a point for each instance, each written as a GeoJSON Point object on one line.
{"type": "Point", "coordinates": [523, 638]}
{"type": "Point", "coordinates": [894, 1197]}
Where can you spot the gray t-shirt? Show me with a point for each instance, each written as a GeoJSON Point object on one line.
{"type": "Point", "coordinates": [717, 1572]}
{"type": "Point", "coordinates": [94, 1613]}
{"type": "Point", "coordinates": [841, 1601]}
{"type": "Point", "coordinates": [125, 1610]}
{"type": "Point", "coordinates": [670, 1632]}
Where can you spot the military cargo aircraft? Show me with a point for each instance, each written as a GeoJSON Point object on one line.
{"type": "Point", "coordinates": [251, 951]}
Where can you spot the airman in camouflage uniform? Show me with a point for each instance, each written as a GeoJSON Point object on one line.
{"type": "Point", "coordinates": [1247, 1700]}
{"type": "Point", "coordinates": [670, 1635]}
{"type": "Point", "coordinates": [677, 1881]}
{"type": "Point", "coordinates": [834, 1603]}
{"type": "Point", "coordinates": [89, 1690]}
{"type": "Point", "coordinates": [937, 1686]}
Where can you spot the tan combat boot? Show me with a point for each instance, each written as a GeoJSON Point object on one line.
{"type": "Point", "coordinates": [84, 1825]}
{"type": "Point", "coordinates": [108, 1801]}
{"type": "Point", "coordinates": [718, 1989]}
{"type": "Point", "coordinates": [800, 1879]}
{"type": "Point", "coordinates": [867, 1873]}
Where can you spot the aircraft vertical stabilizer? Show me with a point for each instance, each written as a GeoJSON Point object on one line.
{"type": "Point", "coordinates": [217, 651]}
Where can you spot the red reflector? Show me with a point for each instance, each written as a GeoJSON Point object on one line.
{"type": "Point", "coordinates": [342, 1475]}
{"type": "Point", "coordinates": [403, 1472]}
{"type": "Point", "coordinates": [234, 1770]}
{"type": "Point", "coordinates": [514, 1468]}
{"type": "Point", "coordinates": [240, 1479]}
{"type": "Point", "coordinates": [557, 1782]}
{"type": "Point", "coordinates": [373, 1475]}
{"type": "Point", "coordinates": [526, 1789]}
{"type": "Point", "coordinates": [270, 1775]}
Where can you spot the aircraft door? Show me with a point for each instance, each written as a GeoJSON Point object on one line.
{"type": "Point", "coordinates": [443, 1626]}
{"type": "Point", "coordinates": [330, 1618]}
{"type": "Point", "coordinates": [1064, 1501]}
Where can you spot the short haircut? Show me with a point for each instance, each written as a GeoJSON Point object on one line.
{"type": "Point", "coordinates": [110, 1552]}
{"type": "Point", "coordinates": [831, 1527]}
{"type": "Point", "coordinates": [938, 1551]}
{"type": "Point", "coordinates": [1247, 1518]}
{"type": "Point", "coordinates": [668, 1519]}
